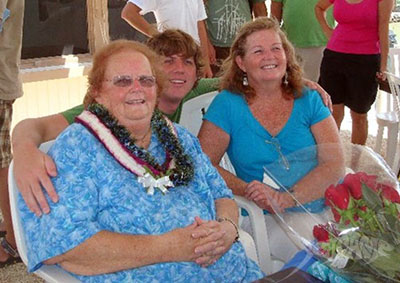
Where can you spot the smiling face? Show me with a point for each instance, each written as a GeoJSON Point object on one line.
{"type": "Point", "coordinates": [181, 75]}
{"type": "Point", "coordinates": [132, 103]}
{"type": "Point", "coordinates": [264, 59]}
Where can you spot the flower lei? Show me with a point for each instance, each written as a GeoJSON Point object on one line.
{"type": "Point", "coordinates": [177, 169]}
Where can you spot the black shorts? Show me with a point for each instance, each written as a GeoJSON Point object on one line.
{"type": "Point", "coordinates": [350, 79]}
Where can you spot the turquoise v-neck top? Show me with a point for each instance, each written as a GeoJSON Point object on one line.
{"type": "Point", "coordinates": [252, 147]}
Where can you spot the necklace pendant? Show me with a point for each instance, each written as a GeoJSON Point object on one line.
{"type": "Point", "coordinates": [150, 183]}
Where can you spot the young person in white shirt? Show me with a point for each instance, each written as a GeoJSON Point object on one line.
{"type": "Point", "coordinates": [188, 15]}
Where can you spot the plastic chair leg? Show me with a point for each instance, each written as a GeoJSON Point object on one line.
{"type": "Point", "coordinates": [378, 142]}
{"type": "Point", "coordinates": [391, 144]}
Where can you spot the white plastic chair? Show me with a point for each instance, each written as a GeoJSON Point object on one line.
{"type": "Point", "coordinates": [50, 273]}
{"type": "Point", "coordinates": [393, 141]}
{"type": "Point", "coordinates": [386, 115]}
{"type": "Point", "coordinates": [194, 110]}
{"type": "Point", "coordinates": [191, 118]}
{"type": "Point", "coordinates": [394, 61]}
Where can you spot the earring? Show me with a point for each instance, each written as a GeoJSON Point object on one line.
{"type": "Point", "coordinates": [245, 80]}
{"type": "Point", "coordinates": [285, 79]}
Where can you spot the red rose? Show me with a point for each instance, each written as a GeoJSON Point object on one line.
{"type": "Point", "coordinates": [337, 196]}
{"type": "Point", "coordinates": [368, 180]}
{"type": "Point", "coordinates": [354, 181]}
{"type": "Point", "coordinates": [320, 233]}
{"type": "Point", "coordinates": [336, 215]}
{"type": "Point", "coordinates": [389, 193]}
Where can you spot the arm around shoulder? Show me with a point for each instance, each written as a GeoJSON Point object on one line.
{"type": "Point", "coordinates": [31, 166]}
{"type": "Point", "coordinates": [38, 130]}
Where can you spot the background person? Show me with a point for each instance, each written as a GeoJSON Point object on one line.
{"type": "Point", "coordinates": [10, 89]}
{"type": "Point", "coordinates": [188, 16]}
{"type": "Point", "coordinates": [224, 19]}
{"type": "Point", "coordinates": [115, 220]}
{"type": "Point", "coordinates": [263, 114]}
{"type": "Point", "coordinates": [303, 31]}
{"type": "Point", "coordinates": [355, 56]}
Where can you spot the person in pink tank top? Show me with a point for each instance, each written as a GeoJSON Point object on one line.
{"type": "Point", "coordinates": [356, 54]}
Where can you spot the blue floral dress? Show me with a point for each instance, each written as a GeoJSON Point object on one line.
{"type": "Point", "coordinates": [97, 193]}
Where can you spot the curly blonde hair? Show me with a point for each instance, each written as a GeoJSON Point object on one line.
{"type": "Point", "coordinates": [232, 78]}
{"type": "Point", "coordinates": [100, 64]}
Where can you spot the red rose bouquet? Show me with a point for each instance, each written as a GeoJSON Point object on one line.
{"type": "Point", "coordinates": [363, 240]}
{"type": "Point", "coordinates": [357, 234]}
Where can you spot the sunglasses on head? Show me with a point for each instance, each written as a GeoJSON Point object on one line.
{"type": "Point", "coordinates": [127, 80]}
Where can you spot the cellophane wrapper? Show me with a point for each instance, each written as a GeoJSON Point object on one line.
{"type": "Point", "coordinates": [357, 232]}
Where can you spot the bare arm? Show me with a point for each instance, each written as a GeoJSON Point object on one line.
{"type": "Point", "coordinates": [320, 13]}
{"type": "Point", "coordinates": [212, 55]}
{"type": "Point", "coordinates": [276, 10]}
{"type": "Point", "coordinates": [329, 170]}
{"type": "Point", "coordinates": [214, 142]}
{"type": "Point", "coordinates": [107, 252]}
{"type": "Point", "coordinates": [201, 26]}
{"type": "Point", "coordinates": [32, 167]}
{"type": "Point", "coordinates": [131, 14]}
{"type": "Point", "coordinates": [260, 10]}
{"type": "Point", "coordinates": [330, 162]}
{"type": "Point", "coordinates": [213, 250]}
{"type": "Point", "coordinates": [384, 10]}
{"type": "Point", "coordinates": [227, 208]}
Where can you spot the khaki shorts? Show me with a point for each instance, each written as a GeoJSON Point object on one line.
{"type": "Point", "coordinates": [5, 126]}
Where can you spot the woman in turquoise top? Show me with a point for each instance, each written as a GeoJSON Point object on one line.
{"type": "Point", "coordinates": [262, 116]}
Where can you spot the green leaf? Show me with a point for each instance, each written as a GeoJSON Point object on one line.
{"type": "Point", "coordinates": [388, 264]}
{"type": "Point", "coordinates": [371, 198]}
{"type": "Point", "coordinates": [391, 220]}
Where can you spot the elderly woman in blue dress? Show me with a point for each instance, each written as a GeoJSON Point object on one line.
{"type": "Point", "coordinates": [139, 200]}
{"type": "Point", "coordinates": [262, 116]}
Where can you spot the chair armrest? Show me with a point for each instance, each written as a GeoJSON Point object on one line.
{"type": "Point", "coordinates": [259, 232]}
{"type": "Point", "coordinates": [53, 273]}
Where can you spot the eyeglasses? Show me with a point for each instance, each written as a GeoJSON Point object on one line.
{"type": "Point", "coordinates": [127, 80]}
{"type": "Point", "coordinates": [283, 160]}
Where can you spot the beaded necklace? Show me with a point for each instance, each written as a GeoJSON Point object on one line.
{"type": "Point", "coordinates": [177, 170]}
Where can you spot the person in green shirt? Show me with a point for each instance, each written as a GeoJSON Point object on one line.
{"type": "Point", "coordinates": [183, 65]}
{"type": "Point", "coordinates": [303, 31]}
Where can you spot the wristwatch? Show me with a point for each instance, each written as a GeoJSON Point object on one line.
{"type": "Point", "coordinates": [222, 219]}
